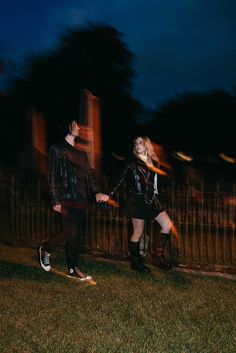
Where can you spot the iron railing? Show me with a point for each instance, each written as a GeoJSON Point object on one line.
{"type": "Point", "coordinates": [203, 215]}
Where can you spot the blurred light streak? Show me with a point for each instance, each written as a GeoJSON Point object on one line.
{"type": "Point", "coordinates": [157, 170]}
{"type": "Point", "coordinates": [39, 145]}
{"type": "Point", "coordinates": [231, 201]}
{"type": "Point", "coordinates": [175, 232]}
{"type": "Point", "coordinates": [227, 158]}
{"type": "Point", "coordinates": [162, 155]}
{"type": "Point", "coordinates": [120, 158]}
{"type": "Point", "coordinates": [113, 203]}
{"type": "Point", "coordinates": [182, 156]}
{"type": "Point", "coordinates": [89, 120]}
{"type": "Point", "coordinates": [86, 135]}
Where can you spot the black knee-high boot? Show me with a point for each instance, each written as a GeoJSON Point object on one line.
{"type": "Point", "coordinates": [136, 262]}
{"type": "Point", "coordinates": [159, 259]}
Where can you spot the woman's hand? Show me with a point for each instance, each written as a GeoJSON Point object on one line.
{"type": "Point", "coordinates": [100, 197]}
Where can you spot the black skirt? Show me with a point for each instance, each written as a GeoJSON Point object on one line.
{"type": "Point", "coordinates": [135, 206]}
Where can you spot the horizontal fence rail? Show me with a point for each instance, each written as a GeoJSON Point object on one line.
{"type": "Point", "coordinates": [203, 214]}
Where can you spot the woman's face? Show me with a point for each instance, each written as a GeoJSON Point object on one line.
{"type": "Point", "coordinates": [139, 146]}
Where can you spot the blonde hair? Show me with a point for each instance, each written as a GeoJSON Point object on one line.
{"type": "Point", "coordinates": [149, 148]}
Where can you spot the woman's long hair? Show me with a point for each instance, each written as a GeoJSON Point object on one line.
{"type": "Point", "coordinates": [149, 148]}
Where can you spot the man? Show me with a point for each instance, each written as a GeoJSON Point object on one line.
{"type": "Point", "coordinates": [70, 178]}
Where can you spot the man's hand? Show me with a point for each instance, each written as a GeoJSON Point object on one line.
{"type": "Point", "coordinates": [57, 208]}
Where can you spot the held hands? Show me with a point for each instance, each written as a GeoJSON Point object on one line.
{"type": "Point", "coordinates": [100, 197]}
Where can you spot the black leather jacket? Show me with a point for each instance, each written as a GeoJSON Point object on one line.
{"type": "Point", "coordinates": [137, 178]}
{"type": "Point", "coordinates": [70, 176]}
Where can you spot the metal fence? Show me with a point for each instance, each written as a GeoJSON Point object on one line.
{"type": "Point", "coordinates": [203, 214]}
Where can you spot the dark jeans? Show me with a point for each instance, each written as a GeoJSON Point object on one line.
{"type": "Point", "coordinates": [73, 225]}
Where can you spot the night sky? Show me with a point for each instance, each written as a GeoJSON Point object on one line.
{"type": "Point", "coordinates": [179, 45]}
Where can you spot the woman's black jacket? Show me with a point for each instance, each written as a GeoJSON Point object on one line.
{"type": "Point", "coordinates": [137, 177]}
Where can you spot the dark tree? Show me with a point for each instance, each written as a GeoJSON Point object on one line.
{"type": "Point", "coordinates": [95, 58]}
{"type": "Point", "coordinates": [197, 122]}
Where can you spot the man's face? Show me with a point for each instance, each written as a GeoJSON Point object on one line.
{"type": "Point", "coordinates": [74, 129]}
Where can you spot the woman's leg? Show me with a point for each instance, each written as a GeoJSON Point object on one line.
{"type": "Point", "coordinates": [136, 260]}
{"type": "Point", "coordinates": [165, 223]}
{"type": "Point", "coordinates": [138, 227]}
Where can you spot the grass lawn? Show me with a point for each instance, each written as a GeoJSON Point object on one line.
{"type": "Point", "coordinates": [125, 312]}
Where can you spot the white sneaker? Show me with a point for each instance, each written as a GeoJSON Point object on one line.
{"type": "Point", "coordinates": [44, 259]}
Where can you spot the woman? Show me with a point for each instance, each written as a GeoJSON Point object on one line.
{"type": "Point", "coordinates": [143, 202]}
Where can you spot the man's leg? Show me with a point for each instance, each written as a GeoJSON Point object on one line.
{"type": "Point", "coordinates": [68, 230]}
{"type": "Point", "coordinates": [72, 246]}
